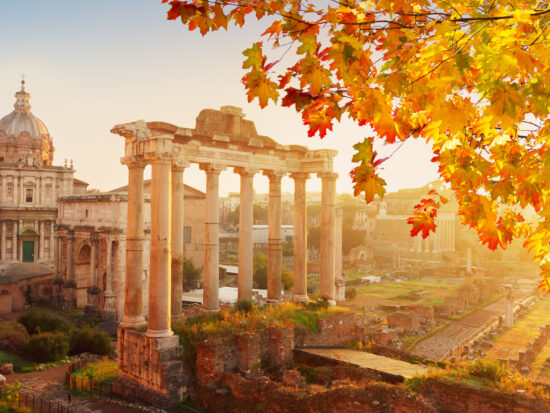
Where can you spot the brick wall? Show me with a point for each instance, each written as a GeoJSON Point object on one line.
{"type": "Point", "coordinates": [150, 366]}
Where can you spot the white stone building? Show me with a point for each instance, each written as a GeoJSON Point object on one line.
{"type": "Point", "coordinates": [29, 186]}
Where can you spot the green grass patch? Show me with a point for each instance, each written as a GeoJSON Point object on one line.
{"type": "Point", "coordinates": [19, 363]}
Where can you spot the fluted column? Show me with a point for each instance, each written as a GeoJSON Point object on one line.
{"type": "Point", "coordinates": [135, 236]}
{"type": "Point", "coordinates": [299, 292]}
{"type": "Point", "coordinates": [275, 256]}
{"type": "Point", "coordinates": [93, 258]}
{"type": "Point", "coordinates": [328, 199]}
{"type": "Point", "coordinates": [246, 233]}
{"type": "Point", "coordinates": [211, 237]}
{"type": "Point", "coordinates": [161, 243]}
{"type": "Point", "coordinates": [177, 237]}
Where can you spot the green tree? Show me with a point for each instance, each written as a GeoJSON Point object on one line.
{"type": "Point", "coordinates": [287, 278]}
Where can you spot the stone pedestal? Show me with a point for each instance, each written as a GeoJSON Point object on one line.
{"type": "Point", "coordinates": [150, 369]}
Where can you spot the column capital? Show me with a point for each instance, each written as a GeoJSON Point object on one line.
{"type": "Point", "coordinates": [158, 157]}
{"type": "Point", "coordinates": [133, 162]}
{"type": "Point", "coordinates": [273, 175]}
{"type": "Point", "coordinates": [244, 171]}
{"type": "Point", "coordinates": [212, 168]}
{"type": "Point", "coordinates": [179, 165]}
{"type": "Point", "coordinates": [300, 176]}
{"type": "Point", "coordinates": [327, 175]}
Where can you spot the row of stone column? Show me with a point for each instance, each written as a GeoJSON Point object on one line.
{"type": "Point", "coordinates": [16, 227]}
{"type": "Point", "coordinates": [166, 257]}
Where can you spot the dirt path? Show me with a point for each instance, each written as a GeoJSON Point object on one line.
{"type": "Point", "coordinates": [48, 384]}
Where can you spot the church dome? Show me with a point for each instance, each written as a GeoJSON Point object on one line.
{"type": "Point", "coordinates": [22, 134]}
{"type": "Point", "coordinates": [21, 119]}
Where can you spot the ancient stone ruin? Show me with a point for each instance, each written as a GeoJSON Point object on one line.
{"type": "Point", "coordinates": [220, 139]}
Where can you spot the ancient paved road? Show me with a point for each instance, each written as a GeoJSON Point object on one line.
{"type": "Point", "coordinates": [437, 346]}
{"type": "Point", "coordinates": [369, 361]}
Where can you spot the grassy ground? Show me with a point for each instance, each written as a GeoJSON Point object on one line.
{"type": "Point", "coordinates": [524, 331]}
{"type": "Point", "coordinates": [405, 293]}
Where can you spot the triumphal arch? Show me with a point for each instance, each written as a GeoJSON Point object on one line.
{"type": "Point", "coordinates": [221, 139]}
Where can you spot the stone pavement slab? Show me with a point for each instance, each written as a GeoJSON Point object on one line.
{"type": "Point", "coordinates": [370, 361]}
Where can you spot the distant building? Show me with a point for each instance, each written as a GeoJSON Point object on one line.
{"type": "Point", "coordinates": [29, 186]}
{"type": "Point", "coordinates": [388, 234]}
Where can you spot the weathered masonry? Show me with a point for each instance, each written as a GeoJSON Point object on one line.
{"type": "Point", "coordinates": [221, 139]}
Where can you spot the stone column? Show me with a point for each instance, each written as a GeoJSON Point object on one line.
{"type": "Point", "coordinates": [41, 229]}
{"type": "Point", "coordinates": [4, 191]}
{"type": "Point", "coordinates": [56, 252]}
{"type": "Point", "coordinates": [93, 258]}
{"type": "Point", "coordinates": [509, 302]}
{"type": "Point", "coordinates": [299, 292]}
{"type": "Point", "coordinates": [340, 284]}
{"type": "Point", "coordinates": [327, 236]}
{"type": "Point", "coordinates": [246, 233]}
{"type": "Point", "coordinates": [275, 252]}
{"type": "Point", "coordinates": [133, 287]}
{"type": "Point", "coordinates": [177, 237]}
{"type": "Point", "coordinates": [211, 237]}
{"type": "Point", "coordinates": [14, 241]}
{"type": "Point", "coordinates": [3, 240]}
{"type": "Point", "coordinates": [16, 190]}
{"type": "Point", "coordinates": [108, 294]}
{"type": "Point", "coordinates": [161, 231]}
{"type": "Point", "coordinates": [52, 231]}
{"type": "Point", "coordinates": [70, 255]}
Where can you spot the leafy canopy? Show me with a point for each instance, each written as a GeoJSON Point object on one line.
{"type": "Point", "coordinates": [471, 77]}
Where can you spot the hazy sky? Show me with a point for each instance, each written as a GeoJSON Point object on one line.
{"type": "Point", "coordinates": [91, 65]}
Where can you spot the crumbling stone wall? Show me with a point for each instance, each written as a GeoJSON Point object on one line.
{"type": "Point", "coordinates": [453, 397]}
{"type": "Point", "coordinates": [237, 394]}
{"type": "Point", "coordinates": [336, 330]}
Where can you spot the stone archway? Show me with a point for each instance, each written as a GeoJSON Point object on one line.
{"type": "Point", "coordinates": [28, 245]}
{"type": "Point", "coordinates": [82, 275]}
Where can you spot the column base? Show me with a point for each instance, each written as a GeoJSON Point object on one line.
{"type": "Point", "coordinates": [134, 322]}
{"type": "Point", "coordinates": [273, 301]}
{"type": "Point", "coordinates": [300, 298]}
{"type": "Point", "coordinates": [331, 303]}
{"type": "Point", "coordinates": [209, 310]}
{"type": "Point", "coordinates": [177, 316]}
{"type": "Point", "coordinates": [159, 333]}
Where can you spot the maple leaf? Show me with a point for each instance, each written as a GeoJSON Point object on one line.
{"type": "Point", "coordinates": [255, 58]}
{"type": "Point", "coordinates": [470, 86]}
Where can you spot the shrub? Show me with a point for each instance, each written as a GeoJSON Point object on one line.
{"type": "Point", "coordinates": [13, 336]}
{"type": "Point", "coordinates": [191, 275]}
{"type": "Point", "coordinates": [89, 340]}
{"type": "Point", "coordinates": [40, 321]}
{"type": "Point", "coordinates": [260, 278]}
{"type": "Point", "coordinates": [351, 293]}
{"type": "Point", "coordinates": [244, 306]}
{"type": "Point", "coordinates": [44, 347]}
